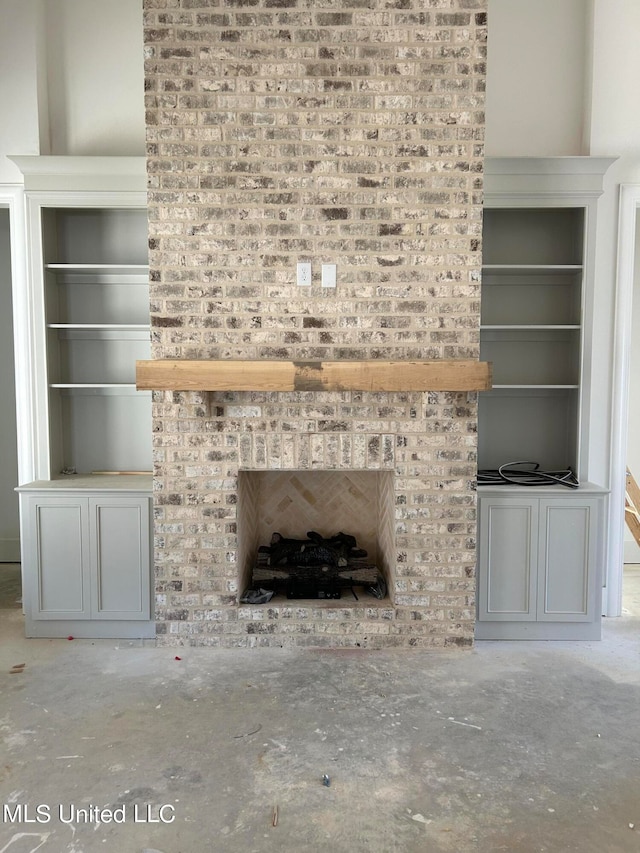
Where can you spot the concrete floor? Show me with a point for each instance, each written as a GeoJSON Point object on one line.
{"type": "Point", "coordinates": [516, 747]}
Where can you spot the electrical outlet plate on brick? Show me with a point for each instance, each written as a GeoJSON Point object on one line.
{"type": "Point", "coordinates": [303, 272]}
{"type": "Point", "coordinates": [328, 275]}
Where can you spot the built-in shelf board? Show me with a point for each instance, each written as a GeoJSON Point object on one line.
{"type": "Point", "coordinates": [527, 327]}
{"type": "Point", "coordinates": [187, 375]}
{"type": "Point", "coordinates": [533, 387]}
{"type": "Point", "coordinates": [89, 267]}
{"type": "Point", "coordinates": [107, 327]}
{"type": "Point", "coordinates": [107, 385]}
{"type": "Point", "coordinates": [537, 268]}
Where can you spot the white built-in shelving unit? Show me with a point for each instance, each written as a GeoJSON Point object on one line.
{"type": "Point", "coordinates": [85, 513]}
{"type": "Point", "coordinates": [541, 549]}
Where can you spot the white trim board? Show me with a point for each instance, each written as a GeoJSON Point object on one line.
{"type": "Point", "coordinates": [12, 197]}
{"type": "Point", "coordinates": [628, 212]}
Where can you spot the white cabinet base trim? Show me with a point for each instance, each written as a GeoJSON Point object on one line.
{"type": "Point", "coordinates": [90, 630]}
{"type": "Point", "coordinates": [538, 631]}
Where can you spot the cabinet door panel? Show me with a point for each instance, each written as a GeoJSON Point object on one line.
{"type": "Point", "coordinates": [120, 557]}
{"type": "Point", "coordinates": [506, 584]}
{"type": "Point", "coordinates": [566, 560]}
{"type": "Point", "coordinates": [61, 565]}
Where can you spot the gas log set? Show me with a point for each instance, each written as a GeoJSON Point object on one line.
{"type": "Point", "coordinates": [313, 568]}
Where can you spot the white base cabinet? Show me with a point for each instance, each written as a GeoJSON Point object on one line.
{"type": "Point", "coordinates": [86, 559]}
{"type": "Point", "coordinates": [540, 558]}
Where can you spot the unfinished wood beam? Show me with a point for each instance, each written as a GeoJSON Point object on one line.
{"type": "Point", "coordinates": [186, 375]}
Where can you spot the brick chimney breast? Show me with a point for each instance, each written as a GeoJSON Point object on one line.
{"type": "Point", "coordinates": [286, 131]}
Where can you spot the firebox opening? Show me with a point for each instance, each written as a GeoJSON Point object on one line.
{"type": "Point", "coordinates": [291, 504]}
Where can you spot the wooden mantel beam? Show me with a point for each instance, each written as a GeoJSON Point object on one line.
{"type": "Point", "coordinates": [186, 375]}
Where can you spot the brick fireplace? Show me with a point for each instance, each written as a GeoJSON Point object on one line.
{"type": "Point", "coordinates": [282, 131]}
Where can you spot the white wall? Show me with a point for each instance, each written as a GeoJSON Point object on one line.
{"type": "Point", "coordinates": [71, 79]}
{"type": "Point", "coordinates": [536, 72]}
{"type": "Point", "coordinates": [95, 66]}
{"type": "Point", "coordinates": [631, 549]}
{"type": "Point", "coordinates": [9, 519]}
{"type": "Point", "coordinates": [20, 42]}
{"type": "Point", "coordinates": [615, 128]}
{"type": "Point", "coordinates": [615, 113]}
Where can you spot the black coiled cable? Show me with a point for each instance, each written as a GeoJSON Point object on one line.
{"type": "Point", "coordinates": [509, 474]}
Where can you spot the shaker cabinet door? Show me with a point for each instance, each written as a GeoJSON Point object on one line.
{"type": "Point", "coordinates": [567, 555]}
{"type": "Point", "coordinates": [58, 549]}
{"type": "Point", "coordinates": [507, 580]}
{"type": "Point", "coordinates": [119, 539]}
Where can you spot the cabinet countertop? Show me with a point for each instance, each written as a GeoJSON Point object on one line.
{"type": "Point", "coordinates": [92, 483]}
{"type": "Point", "coordinates": [583, 490]}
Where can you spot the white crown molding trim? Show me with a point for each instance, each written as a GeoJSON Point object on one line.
{"type": "Point", "coordinates": [534, 179]}
{"type": "Point", "coordinates": [79, 173]}
{"type": "Point", "coordinates": [569, 165]}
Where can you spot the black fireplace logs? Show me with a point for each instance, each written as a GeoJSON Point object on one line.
{"type": "Point", "coordinates": [315, 550]}
{"type": "Point", "coordinates": [315, 567]}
